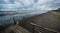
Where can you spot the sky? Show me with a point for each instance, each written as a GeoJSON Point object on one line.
{"type": "Point", "coordinates": [29, 4]}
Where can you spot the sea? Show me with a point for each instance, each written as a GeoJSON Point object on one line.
{"type": "Point", "coordinates": [8, 16]}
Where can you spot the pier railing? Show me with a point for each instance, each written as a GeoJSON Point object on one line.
{"type": "Point", "coordinates": [39, 29]}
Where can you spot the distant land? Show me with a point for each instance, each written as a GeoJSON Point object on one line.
{"type": "Point", "coordinates": [4, 13]}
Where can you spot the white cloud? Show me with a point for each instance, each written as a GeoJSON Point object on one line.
{"type": "Point", "coordinates": [47, 4]}
{"type": "Point", "coordinates": [30, 4]}
{"type": "Point", "coordinates": [7, 1]}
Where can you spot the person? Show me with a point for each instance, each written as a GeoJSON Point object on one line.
{"type": "Point", "coordinates": [14, 21]}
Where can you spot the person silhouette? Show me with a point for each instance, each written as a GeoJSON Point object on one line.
{"type": "Point", "coordinates": [14, 21]}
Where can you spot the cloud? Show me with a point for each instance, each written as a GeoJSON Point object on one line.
{"type": "Point", "coordinates": [30, 4]}
{"type": "Point", "coordinates": [47, 4]}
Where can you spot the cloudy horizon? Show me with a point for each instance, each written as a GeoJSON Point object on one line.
{"type": "Point", "coordinates": [29, 4]}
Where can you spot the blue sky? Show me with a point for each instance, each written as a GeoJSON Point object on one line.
{"type": "Point", "coordinates": [29, 4]}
